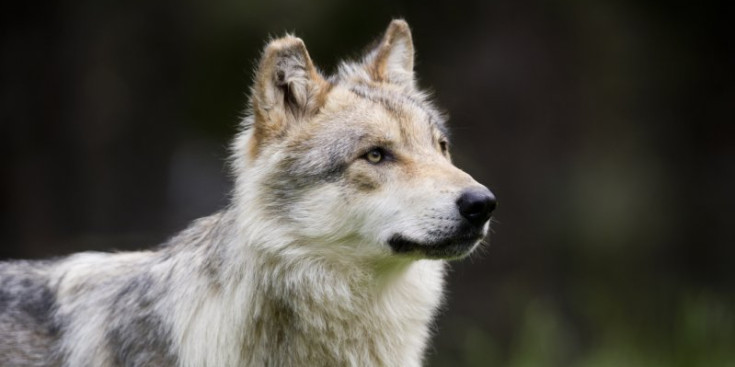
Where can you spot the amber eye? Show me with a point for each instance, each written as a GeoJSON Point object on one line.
{"type": "Point", "coordinates": [375, 156]}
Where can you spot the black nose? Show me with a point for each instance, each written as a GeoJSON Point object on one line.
{"type": "Point", "coordinates": [476, 205]}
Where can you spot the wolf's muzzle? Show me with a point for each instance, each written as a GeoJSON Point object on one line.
{"type": "Point", "coordinates": [476, 205]}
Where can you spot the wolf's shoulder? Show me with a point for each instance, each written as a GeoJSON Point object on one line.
{"type": "Point", "coordinates": [27, 303]}
{"type": "Point", "coordinates": [25, 285]}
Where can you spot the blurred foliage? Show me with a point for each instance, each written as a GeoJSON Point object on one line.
{"type": "Point", "coordinates": [699, 333]}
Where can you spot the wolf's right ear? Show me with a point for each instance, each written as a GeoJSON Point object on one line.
{"type": "Point", "coordinates": [392, 60]}
{"type": "Point", "coordinates": [287, 88]}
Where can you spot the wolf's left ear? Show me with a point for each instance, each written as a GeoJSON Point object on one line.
{"type": "Point", "coordinates": [392, 60]}
{"type": "Point", "coordinates": [287, 88]}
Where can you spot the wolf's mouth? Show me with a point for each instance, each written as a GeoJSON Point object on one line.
{"type": "Point", "coordinates": [447, 248]}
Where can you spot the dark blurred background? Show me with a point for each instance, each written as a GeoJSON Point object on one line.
{"type": "Point", "coordinates": [604, 127]}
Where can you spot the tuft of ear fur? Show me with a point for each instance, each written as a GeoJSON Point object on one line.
{"type": "Point", "coordinates": [287, 88]}
{"type": "Point", "coordinates": [392, 60]}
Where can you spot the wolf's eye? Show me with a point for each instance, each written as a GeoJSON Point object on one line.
{"type": "Point", "coordinates": [375, 156]}
{"type": "Point", "coordinates": [443, 145]}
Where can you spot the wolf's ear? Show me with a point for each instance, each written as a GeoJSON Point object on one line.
{"type": "Point", "coordinates": [287, 87]}
{"type": "Point", "coordinates": [392, 60]}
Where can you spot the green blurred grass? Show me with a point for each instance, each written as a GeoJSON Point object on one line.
{"type": "Point", "coordinates": [696, 330]}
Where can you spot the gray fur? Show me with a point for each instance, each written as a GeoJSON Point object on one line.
{"type": "Point", "coordinates": [32, 328]}
{"type": "Point", "coordinates": [394, 102]}
{"type": "Point", "coordinates": [311, 162]}
{"type": "Point", "coordinates": [142, 338]}
{"type": "Point", "coordinates": [28, 325]}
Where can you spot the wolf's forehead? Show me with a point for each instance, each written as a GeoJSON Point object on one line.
{"type": "Point", "coordinates": [410, 107]}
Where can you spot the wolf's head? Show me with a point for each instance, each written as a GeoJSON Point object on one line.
{"type": "Point", "coordinates": [358, 162]}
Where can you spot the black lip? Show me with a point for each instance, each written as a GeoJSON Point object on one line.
{"type": "Point", "coordinates": [446, 248]}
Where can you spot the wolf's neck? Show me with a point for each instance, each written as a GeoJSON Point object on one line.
{"type": "Point", "coordinates": [327, 314]}
{"type": "Point", "coordinates": [307, 310]}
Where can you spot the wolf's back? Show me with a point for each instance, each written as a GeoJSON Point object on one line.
{"type": "Point", "coordinates": [28, 329]}
{"type": "Point", "coordinates": [87, 309]}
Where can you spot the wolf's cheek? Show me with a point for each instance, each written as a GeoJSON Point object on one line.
{"type": "Point", "coordinates": [364, 181]}
{"type": "Point", "coordinates": [365, 178]}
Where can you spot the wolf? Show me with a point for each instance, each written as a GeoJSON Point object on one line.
{"type": "Point", "coordinates": [332, 252]}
